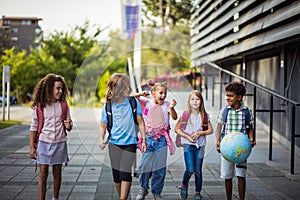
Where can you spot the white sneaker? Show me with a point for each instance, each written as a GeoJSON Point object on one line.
{"type": "Point", "coordinates": [142, 193]}
{"type": "Point", "coordinates": [157, 197]}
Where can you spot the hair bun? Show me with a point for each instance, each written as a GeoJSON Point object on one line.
{"type": "Point", "coordinates": [150, 82]}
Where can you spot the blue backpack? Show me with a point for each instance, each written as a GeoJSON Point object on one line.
{"type": "Point", "coordinates": [108, 106]}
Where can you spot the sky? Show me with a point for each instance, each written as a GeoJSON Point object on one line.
{"type": "Point", "coordinates": [63, 15]}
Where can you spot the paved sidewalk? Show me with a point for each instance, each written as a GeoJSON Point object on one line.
{"type": "Point", "coordinates": [88, 175]}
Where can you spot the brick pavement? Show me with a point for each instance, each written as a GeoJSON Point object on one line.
{"type": "Point", "coordinates": [88, 175]}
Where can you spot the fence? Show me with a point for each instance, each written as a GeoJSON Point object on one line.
{"type": "Point", "coordinates": [271, 110]}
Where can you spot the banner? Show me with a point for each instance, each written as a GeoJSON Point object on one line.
{"type": "Point", "coordinates": [130, 10]}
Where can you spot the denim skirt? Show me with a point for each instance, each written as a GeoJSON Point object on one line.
{"type": "Point", "coordinates": [52, 153]}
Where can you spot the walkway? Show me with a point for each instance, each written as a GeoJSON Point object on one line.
{"type": "Point", "coordinates": [88, 175]}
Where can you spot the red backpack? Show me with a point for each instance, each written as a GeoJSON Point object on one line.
{"type": "Point", "coordinates": [184, 121]}
{"type": "Point", "coordinates": [40, 116]}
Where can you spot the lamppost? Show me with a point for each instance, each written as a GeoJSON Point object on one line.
{"type": "Point", "coordinates": [6, 81]}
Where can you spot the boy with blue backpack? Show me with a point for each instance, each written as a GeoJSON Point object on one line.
{"type": "Point", "coordinates": [235, 117]}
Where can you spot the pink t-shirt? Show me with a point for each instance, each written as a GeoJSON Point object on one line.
{"type": "Point", "coordinates": [155, 119]}
{"type": "Point", "coordinates": [53, 130]}
{"type": "Point", "coordinates": [157, 122]}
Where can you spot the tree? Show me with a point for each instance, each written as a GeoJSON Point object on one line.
{"type": "Point", "coordinates": [166, 13]}
{"type": "Point", "coordinates": [70, 49]}
{"type": "Point", "coordinates": [16, 60]}
{"type": "Point", "coordinates": [62, 53]}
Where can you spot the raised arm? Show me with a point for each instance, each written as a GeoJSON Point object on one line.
{"type": "Point", "coordinates": [173, 112]}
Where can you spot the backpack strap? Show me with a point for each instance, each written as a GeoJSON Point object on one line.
{"type": "Point", "coordinates": [184, 119]}
{"type": "Point", "coordinates": [109, 115]}
{"type": "Point", "coordinates": [183, 123]}
{"type": "Point", "coordinates": [146, 110]}
{"type": "Point", "coordinates": [64, 112]}
{"type": "Point", "coordinates": [40, 116]}
{"type": "Point", "coordinates": [205, 122]}
{"type": "Point", "coordinates": [225, 114]}
{"type": "Point", "coordinates": [108, 108]}
{"type": "Point", "coordinates": [166, 113]}
{"type": "Point", "coordinates": [247, 119]}
{"type": "Point", "coordinates": [64, 109]}
{"type": "Point", "coordinates": [133, 105]}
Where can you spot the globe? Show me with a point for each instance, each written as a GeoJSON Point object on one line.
{"type": "Point", "coordinates": [235, 147]}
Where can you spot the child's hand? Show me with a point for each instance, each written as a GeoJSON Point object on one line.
{"type": "Point", "coordinates": [190, 139]}
{"type": "Point", "coordinates": [196, 135]}
{"type": "Point", "coordinates": [32, 153]}
{"type": "Point", "coordinates": [102, 145]}
{"type": "Point", "coordinates": [173, 103]}
{"type": "Point", "coordinates": [253, 142]}
{"type": "Point", "coordinates": [68, 124]}
{"type": "Point", "coordinates": [218, 145]}
{"type": "Point", "coordinates": [145, 93]}
{"type": "Point", "coordinates": [144, 147]}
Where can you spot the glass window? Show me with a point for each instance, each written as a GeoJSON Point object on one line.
{"type": "Point", "coordinates": [14, 39]}
{"type": "Point", "coordinates": [6, 22]}
{"type": "Point", "coordinates": [26, 22]}
{"type": "Point", "coordinates": [14, 30]}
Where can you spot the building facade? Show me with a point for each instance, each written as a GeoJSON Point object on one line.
{"type": "Point", "coordinates": [259, 41]}
{"type": "Point", "coordinates": [20, 32]}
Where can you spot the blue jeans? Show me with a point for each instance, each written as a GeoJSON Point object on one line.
{"type": "Point", "coordinates": [193, 158]}
{"type": "Point", "coordinates": [153, 164]}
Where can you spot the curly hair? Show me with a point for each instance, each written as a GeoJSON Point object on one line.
{"type": "Point", "coordinates": [236, 87]}
{"type": "Point", "coordinates": [116, 87]}
{"type": "Point", "coordinates": [43, 91]}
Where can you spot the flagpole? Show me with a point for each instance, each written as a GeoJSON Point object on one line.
{"type": "Point", "coordinates": [137, 56]}
{"type": "Point", "coordinates": [131, 75]}
{"type": "Point", "coordinates": [131, 15]}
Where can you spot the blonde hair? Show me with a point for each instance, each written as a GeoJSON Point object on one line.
{"type": "Point", "coordinates": [155, 85]}
{"type": "Point", "coordinates": [116, 85]}
{"type": "Point", "coordinates": [201, 107]}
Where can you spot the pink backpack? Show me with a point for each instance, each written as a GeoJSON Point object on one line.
{"type": "Point", "coordinates": [184, 121]}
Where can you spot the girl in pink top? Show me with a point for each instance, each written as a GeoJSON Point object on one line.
{"type": "Point", "coordinates": [156, 116]}
{"type": "Point", "coordinates": [52, 146]}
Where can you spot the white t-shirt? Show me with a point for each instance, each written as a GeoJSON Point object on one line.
{"type": "Point", "coordinates": [194, 124]}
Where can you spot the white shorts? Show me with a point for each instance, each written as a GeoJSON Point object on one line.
{"type": "Point", "coordinates": [229, 169]}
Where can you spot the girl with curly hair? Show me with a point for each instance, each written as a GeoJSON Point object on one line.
{"type": "Point", "coordinates": [48, 139]}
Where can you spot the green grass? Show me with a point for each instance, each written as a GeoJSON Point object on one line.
{"type": "Point", "coordinates": [5, 124]}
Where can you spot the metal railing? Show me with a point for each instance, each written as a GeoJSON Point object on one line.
{"type": "Point", "coordinates": [271, 111]}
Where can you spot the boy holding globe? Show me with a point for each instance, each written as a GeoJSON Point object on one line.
{"type": "Point", "coordinates": [235, 121]}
